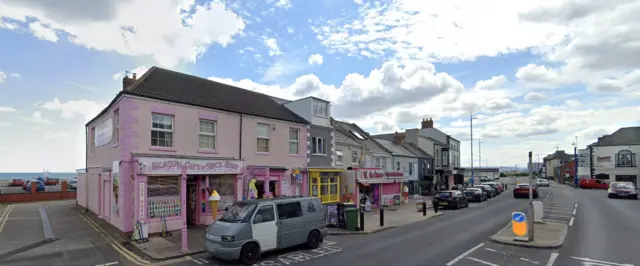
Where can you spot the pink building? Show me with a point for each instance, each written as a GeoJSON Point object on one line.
{"type": "Point", "coordinates": [169, 138]}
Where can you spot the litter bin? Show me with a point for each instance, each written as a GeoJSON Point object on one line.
{"type": "Point", "coordinates": [351, 218]}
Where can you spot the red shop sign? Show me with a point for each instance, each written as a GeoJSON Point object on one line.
{"type": "Point", "coordinates": [395, 174]}
{"type": "Point", "coordinates": [371, 174]}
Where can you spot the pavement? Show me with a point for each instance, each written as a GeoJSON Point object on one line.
{"type": "Point", "coordinates": [51, 233]}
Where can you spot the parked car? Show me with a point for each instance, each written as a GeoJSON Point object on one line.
{"type": "Point", "coordinates": [475, 194]}
{"type": "Point", "coordinates": [16, 183]}
{"type": "Point", "coordinates": [622, 190]}
{"type": "Point", "coordinates": [590, 183]}
{"type": "Point", "coordinates": [450, 199]}
{"type": "Point", "coordinates": [522, 191]}
{"type": "Point", "coordinates": [73, 185]}
{"type": "Point", "coordinates": [487, 189]}
{"type": "Point", "coordinates": [39, 186]}
{"type": "Point", "coordinates": [542, 182]}
{"type": "Point", "coordinates": [51, 182]}
{"type": "Point", "coordinates": [251, 227]}
{"type": "Point", "coordinates": [495, 185]}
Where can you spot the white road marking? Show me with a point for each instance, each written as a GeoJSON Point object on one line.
{"type": "Point", "coordinates": [197, 261]}
{"type": "Point", "coordinates": [528, 260]}
{"type": "Point", "coordinates": [558, 211]}
{"type": "Point", "coordinates": [108, 263]}
{"type": "Point", "coordinates": [493, 250]}
{"type": "Point", "coordinates": [576, 205]}
{"type": "Point", "coordinates": [552, 259]}
{"type": "Point", "coordinates": [571, 221]}
{"type": "Point", "coordinates": [464, 254]}
{"type": "Point", "coordinates": [556, 215]}
{"type": "Point", "coordinates": [574, 211]}
{"type": "Point", "coordinates": [554, 221]}
{"type": "Point", "coordinates": [600, 261]}
{"type": "Point", "coordinates": [202, 260]}
{"type": "Point", "coordinates": [482, 261]}
{"type": "Point", "coordinates": [559, 207]}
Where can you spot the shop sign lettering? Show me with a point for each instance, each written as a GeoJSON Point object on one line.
{"type": "Point", "coordinates": [372, 174]}
{"type": "Point", "coordinates": [297, 257]}
{"type": "Point", "coordinates": [164, 166]}
{"type": "Point", "coordinates": [259, 171]}
{"type": "Point", "coordinates": [141, 201]}
{"type": "Point", "coordinates": [395, 174]}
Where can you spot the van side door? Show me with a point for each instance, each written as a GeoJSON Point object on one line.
{"type": "Point", "coordinates": [290, 224]}
{"type": "Point", "coordinates": [264, 227]}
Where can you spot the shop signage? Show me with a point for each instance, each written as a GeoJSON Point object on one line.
{"type": "Point", "coordinates": [258, 171]}
{"type": "Point", "coordinates": [395, 174]}
{"type": "Point", "coordinates": [141, 201]}
{"type": "Point", "coordinates": [371, 174]}
{"type": "Point", "coordinates": [172, 166]}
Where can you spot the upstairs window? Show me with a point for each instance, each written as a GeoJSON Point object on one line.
{"type": "Point", "coordinates": [411, 168]}
{"type": "Point", "coordinates": [207, 136]}
{"type": "Point", "coordinates": [161, 130]}
{"type": "Point", "coordinates": [317, 145]}
{"type": "Point", "coordinates": [625, 158]}
{"type": "Point", "coordinates": [339, 156]}
{"type": "Point", "coordinates": [354, 157]}
{"type": "Point", "coordinates": [294, 140]}
{"type": "Point", "coordinates": [263, 133]}
{"type": "Point", "coordinates": [116, 127]}
{"type": "Point", "coordinates": [320, 108]}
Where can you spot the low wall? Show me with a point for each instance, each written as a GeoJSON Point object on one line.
{"type": "Point", "coordinates": [63, 194]}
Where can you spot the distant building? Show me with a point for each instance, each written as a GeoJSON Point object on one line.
{"type": "Point", "coordinates": [614, 157]}
{"type": "Point", "coordinates": [552, 161]}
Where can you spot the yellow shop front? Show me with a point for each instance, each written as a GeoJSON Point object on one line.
{"type": "Point", "coordinates": [324, 183]}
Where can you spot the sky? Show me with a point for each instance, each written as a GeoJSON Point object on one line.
{"type": "Point", "coordinates": [534, 73]}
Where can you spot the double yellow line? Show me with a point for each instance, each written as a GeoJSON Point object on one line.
{"type": "Point", "coordinates": [5, 216]}
{"type": "Point", "coordinates": [126, 253]}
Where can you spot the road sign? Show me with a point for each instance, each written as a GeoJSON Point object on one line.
{"type": "Point", "coordinates": [519, 225]}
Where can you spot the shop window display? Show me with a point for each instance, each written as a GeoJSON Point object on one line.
{"type": "Point", "coordinates": [225, 186]}
{"type": "Point", "coordinates": [163, 197]}
{"type": "Point", "coordinates": [325, 185]}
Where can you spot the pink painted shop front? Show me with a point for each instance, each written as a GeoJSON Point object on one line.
{"type": "Point", "coordinates": [270, 181]}
{"type": "Point", "coordinates": [177, 190]}
{"type": "Point", "coordinates": [379, 186]}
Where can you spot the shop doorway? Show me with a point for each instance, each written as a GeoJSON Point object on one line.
{"type": "Point", "coordinates": [191, 203]}
{"type": "Point", "coordinates": [273, 188]}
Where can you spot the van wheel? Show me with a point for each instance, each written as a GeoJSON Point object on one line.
{"type": "Point", "coordinates": [314, 239]}
{"type": "Point", "coordinates": [250, 254]}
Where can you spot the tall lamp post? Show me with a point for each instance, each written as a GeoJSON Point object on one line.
{"type": "Point", "coordinates": [480, 153]}
{"type": "Point", "coordinates": [576, 180]}
{"type": "Point", "coordinates": [472, 180]}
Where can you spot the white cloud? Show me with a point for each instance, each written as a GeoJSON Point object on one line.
{"type": "Point", "coordinates": [70, 109]}
{"type": "Point", "coordinates": [534, 96]}
{"type": "Point", "coordinates": [6, 109]}
{"type": "Point", "coordinates": [15, 75]}
{"type": "Point", "coordinates": [272, 44]}
{"type": "Point", "coordinates": [43, 32]}
{"type": "Point", "coordinates": [358, 2]}
{"type": "Point", "coordinates": [3, 77]}
{"type": "Point", "coordinates": [283, 3]}
{"type": "Point", "coordinates": [316, 59]}
{"type": "Point", "coordinates": [445, 31]}
{"type": "Point", "coordinates": [164, 32]}
{"type": "Point", "coordinates": [37, 118]}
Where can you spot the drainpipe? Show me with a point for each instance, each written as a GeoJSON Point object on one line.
{"type": "Point", "coordinates": [240, 142]}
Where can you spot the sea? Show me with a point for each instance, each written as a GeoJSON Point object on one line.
{"type": "Point", "coordinates": [29, 176]}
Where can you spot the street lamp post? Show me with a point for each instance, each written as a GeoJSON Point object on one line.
{"type": "Point", "coordinates": [472, 180]}
{"type": "Point", "coordinates": [576, 180]}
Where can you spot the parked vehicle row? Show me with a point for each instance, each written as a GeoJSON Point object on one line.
{"type": "Point", "coordinates": [46, 181]}
{"type": "Point", "coordinates": [456, 199]}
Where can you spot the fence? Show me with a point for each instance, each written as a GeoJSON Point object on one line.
{"type": "Point", "coordinates": [19, 194]}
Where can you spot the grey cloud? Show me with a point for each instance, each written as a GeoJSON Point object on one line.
{"type": "Point", "coordinates": [534, 96]}
{"type": "Point", "coordinates": [72, 11]}
{"type": "Point", "coordinates": [545, 130]}
{"type": "Point", "coordinates": [406, 117]}
{"type": "Point", "coordinates": [306, 85]}
{"type": "Point", "coordinates": [571, 10]}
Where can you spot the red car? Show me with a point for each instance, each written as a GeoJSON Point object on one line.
{"type": "Point", "coordinates": [16, 183]}
{"type": "Point", "coordinates": [522, 191]}
{"type": "Point", "coordinates": [589, 183]}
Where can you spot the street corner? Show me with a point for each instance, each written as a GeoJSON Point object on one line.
{"type": "Point", "coordinates": [494, 254]}
{"type": "Point", "coordinates": [22, 225]}
{"type": "Point", "coordinates": [296, 255]}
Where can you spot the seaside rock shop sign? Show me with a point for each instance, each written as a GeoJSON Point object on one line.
{"type": "Point", "coordinates": [170, 166]}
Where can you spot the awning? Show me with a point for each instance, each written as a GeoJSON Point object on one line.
{"type": "Point", "coordinates": [333, 170]}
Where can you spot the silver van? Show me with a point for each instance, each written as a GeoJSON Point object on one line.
{"type": "Point", "coordinates": [251, 227]}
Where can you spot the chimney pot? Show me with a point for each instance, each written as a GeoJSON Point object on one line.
{"type": "Point", "coordinates": [135, 76]}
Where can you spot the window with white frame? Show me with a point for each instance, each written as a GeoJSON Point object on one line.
{"type": "Point", "coordinates": [320, 108]}
{"type": "Point", "coordinates": [397, 166]}
{"type": "Point", "coordinates": [339, 156]}
{"type": "Point", "coordinates": [294, 140]}
{"type": "Point", "coordinates": [207, 136]}
{"type": "Point", "coordinates": [445, 158]}
{"type": "Point", "coordinates": [317, 146]}
{"type": "Point", "coordinates": [410, 168]}
{"type": "Point", "coordinates": [116, 127]}
{"type": "Point", "coordinates": [263, 133]}
{"type": "Point", "coordinates": [354, 157]}
{"type": "Point", "coordinates": [377, 162]}
{"type": "Point", "coordinates": [161, 130]}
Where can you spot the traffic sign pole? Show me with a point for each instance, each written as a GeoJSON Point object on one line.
{"type": "Point", "coordinates": [531, 209]}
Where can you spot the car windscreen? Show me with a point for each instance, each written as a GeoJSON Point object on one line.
{"type": "Point", "coordinates": [238, 212]}
{"type": "Point", "coordinates": [445, 195]}
{"type": "Point", "coordinates": [624, 186]}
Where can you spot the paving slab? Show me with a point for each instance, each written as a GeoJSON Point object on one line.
{"type": "Point", "coordinates": [546, 235]}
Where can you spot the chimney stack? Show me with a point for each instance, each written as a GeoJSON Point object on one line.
{"type": "Point", "coordinates": [399, 138]}
{"type": "Point", "coordinates": [427, 123]}
{"type": "Point", "coordinates": [127, 81]}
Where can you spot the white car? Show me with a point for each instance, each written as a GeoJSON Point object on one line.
{"type": "Point", "coordinates": [542, 182]}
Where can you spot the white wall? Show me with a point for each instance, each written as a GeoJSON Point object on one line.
{"type": "Point", "coordinates": [603, 166]}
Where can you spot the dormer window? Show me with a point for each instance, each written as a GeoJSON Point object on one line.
{"type": "Point", "coordinates": [320, 108]}
{"type": "Point", "coordinates": [357, 135]}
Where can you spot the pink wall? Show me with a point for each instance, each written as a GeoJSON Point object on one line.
{"type": "Point", "coordinates": [103, 155]}
{"type": "Point", "coordinates": [278, 154]}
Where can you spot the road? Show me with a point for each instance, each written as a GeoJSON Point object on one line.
{"type": "Point", "coordinates": [432, 242]}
